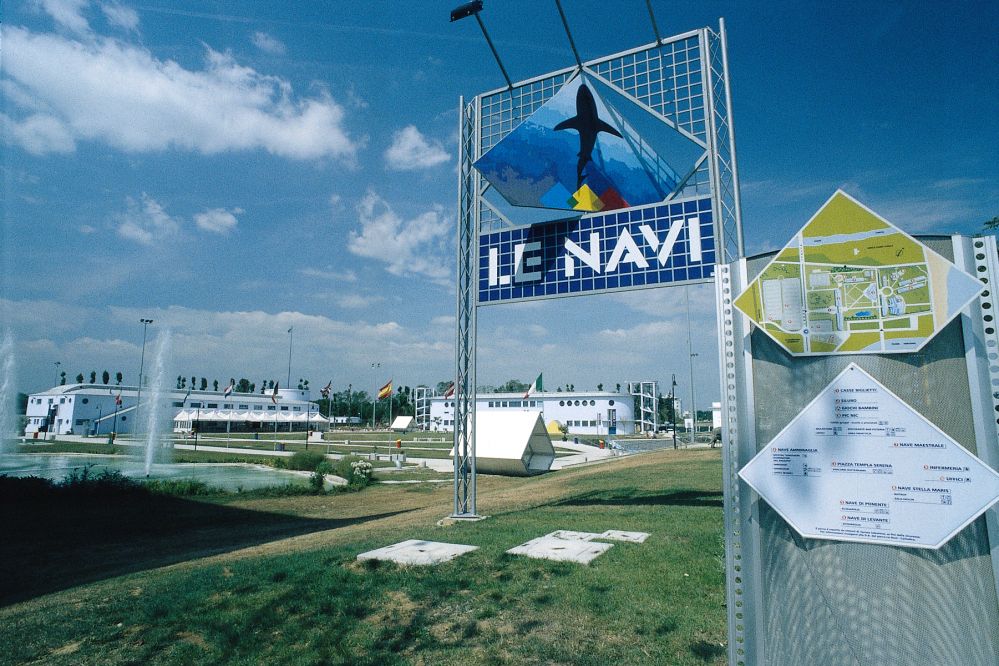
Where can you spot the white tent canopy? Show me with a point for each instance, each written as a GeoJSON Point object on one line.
{"type": "Point", "coordinates": [513, 443]}
{"type": "Point", "coordinates": [263, 417]}
{"type": "Point", "coordinates": [402, 423]}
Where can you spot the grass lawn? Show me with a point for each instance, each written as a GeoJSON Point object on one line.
{"type": "Point", "coordinates": [275, 580]}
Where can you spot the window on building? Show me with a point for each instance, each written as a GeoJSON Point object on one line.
{"type": "Point", "coordinates": [611, 403]}
{"type": "Point", "coordinates": [195, 405]}
{"type": "Point", "coordinates": [561, 403]}
{"type": "Point", "coordinates": [593, 403]}
{"type": "Point", "coordinates": [177, 403]}
{"type": "Point", "coordinates": [244, 406]}
{"type": "Point", "coordinates": [515, 403]}
{"type": "Point", "coordinates": [213, 405]}
{"type": "Point", "coordinates": [284, 408]}
{"type": "Point", "coordinates": [85, 400]}
{"type": "Point", "coordinates": [62, 401]}
{"type": "Point", "coordinates": [124, 418]}
{"type": "Point", "coordinates": [271, 408]}
{"type": "Point", "coordinates": [79, 421]}
{"type": "Point", "coordinates": [490, 403]}
{"type": "Point", "coordinates": [296, 409]}
{"type": "Point", "coordinates": [227, 406]}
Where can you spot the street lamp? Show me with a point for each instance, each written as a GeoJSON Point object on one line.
{"type": "Point", "coordinates": [291, 338]}
{"type": "Point", "coordinates": [374, 398]}
{"type": "Point", "coordinates": [690, 350]}
{"type": "Point", "coordinates": [55, 382]}
{"type": "Point", "coordinates": [672, 402]}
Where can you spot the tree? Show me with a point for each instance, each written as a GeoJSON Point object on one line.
{"type": "Point", "coordinates": [253, 387]}
{"type": "Point", "coordinates": [204, 384]}
{"type": "Point", "coordinates": [992, 224]}
{"type": "Point", "coordinates": [93, 376]}
{"type": "Point", "coordinates": [600, 387]}
{"type": "Point", "coordinates": [618, 389]}
{"type": "Point", "coordinates": [194, 382]}
{"type": "Point", "coordinates": [183, 382]}
{"type": "Point", "coordinates": [117, 377]}
{"type": "Point", "coordinates": [442, 387]}
{"type": "Point", "coordinates": [244, 386]}
{"type": "Point", "coordinates": [62, 378]}
{"type": "Point", "coordinates": [179, 381]}
{"type": "Point", "coordinates": [106, 377]}
{"type": "Point", "coordinates": [215, 385]}
{"type": "Point", "coordinates": [513, 386]}
{"type": "Point", "coordinates": [79, 378]}
{"type": "Point", "coordinates": [270, 384]}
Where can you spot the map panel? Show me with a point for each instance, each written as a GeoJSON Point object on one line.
{"type": "Point", "coordinates": [852, 282]}
{"type": "Point", "coordinates": [859, 464]}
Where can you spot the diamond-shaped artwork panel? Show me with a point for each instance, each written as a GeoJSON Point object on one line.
{"type": "Point", "coordinates": [578, 152]}
{"type": "Point", "coordinates": [859, 464]}
{"type": "Point", "coordinates": [850, 282]}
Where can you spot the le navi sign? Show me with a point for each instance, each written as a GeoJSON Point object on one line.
{"type": "Point", "coordinates": [659, 244]}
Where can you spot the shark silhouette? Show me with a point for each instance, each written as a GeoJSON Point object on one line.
{"type": "Point", "coordinates": [588, 124]}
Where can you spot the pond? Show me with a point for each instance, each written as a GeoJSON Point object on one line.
{"type": "Point", "coordinates": [229, 476]}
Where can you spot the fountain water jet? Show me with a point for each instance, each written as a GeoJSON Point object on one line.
{"type": "Point", "coordinates": [8, 421]}
{"type": "Point", "coordinates": [153, 407]}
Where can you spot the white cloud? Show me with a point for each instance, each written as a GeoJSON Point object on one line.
{"type": "Point", "coordinates": [267, 43]}
{"type": "Point", "coordinates": [103, 89]}
{"type": "Point", "coordinates": [410, 150]}
{"type": "Point", "coordinates": [355, 301]}
{"type": "Point", "coordinates": [67, 13]}
{"type": "Point", "coordinates": [87, 229]}
{"type": "Point", "coordinates": [217, 220]}
{"type": "Point", "coordinates": [39, 134]}
{"type": "Point", "coordinates": [119, 15]}
{"type": "Point", "coordinates": [329, 275]}
{"type": "Point", "coordinates": [409, 247]}
{"type": "Point", "coordinates": [146, 221]}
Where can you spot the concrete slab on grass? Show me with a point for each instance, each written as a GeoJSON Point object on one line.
{"type": "Point", "coordinates": [570, 535]}
{"type": "Point", "coordinates": [561, 550]}
{"type": "Point", "coordinates": [414, 551]}
{"type": "Point", "coordinates": [618, 535]}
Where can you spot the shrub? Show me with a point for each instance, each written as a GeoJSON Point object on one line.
{"type": "Point", "coordinates": [181, 487]}
{"type": "Point", "coordinates": [306, 461]}
{"type": "Point", "coordinates": [356, 470]}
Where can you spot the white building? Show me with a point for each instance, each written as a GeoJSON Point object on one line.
{"type": "Point", "coordinates": [582, 412]}
{"type": "Point", "coordinates": [90, 409]}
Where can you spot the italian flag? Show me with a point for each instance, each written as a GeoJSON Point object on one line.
{"type": "Point", "coordinates": [535, 387]}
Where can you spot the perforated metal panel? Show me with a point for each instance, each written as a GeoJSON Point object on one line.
{"type": "Point", "coordinates": [827, 602]}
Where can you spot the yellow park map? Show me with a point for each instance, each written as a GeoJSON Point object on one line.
{"type": "Point", "coordinates": [852, 282]}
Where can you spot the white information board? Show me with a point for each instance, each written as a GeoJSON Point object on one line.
{"type": "Point", "coordinates": [858, 464]}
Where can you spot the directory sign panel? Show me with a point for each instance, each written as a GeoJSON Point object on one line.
{"type": "Point", "coordinates": [645, 246]}
{"type": "Point", "coordinates": [858, 464]}
{"type": "Point", "coordinates": [852, 282]}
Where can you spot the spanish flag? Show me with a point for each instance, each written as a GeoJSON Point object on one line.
{"type": "Point", "coordinates": [385, 391]}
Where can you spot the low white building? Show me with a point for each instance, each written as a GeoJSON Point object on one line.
{"type": "Point", "coordinates": [582, 412]}
{"type": "Point", "coordinates": [90, 409]}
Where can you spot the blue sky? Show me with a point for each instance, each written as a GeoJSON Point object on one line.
{"type": "Point", "coordinates": [231, 170]}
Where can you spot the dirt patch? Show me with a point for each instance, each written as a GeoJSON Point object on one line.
{"type": "Point", "coordinates": [193, 639]}
{"type": "Point", "coordinates": [398, 610]}
{"type": "Point", "coordinates": [68, 648]}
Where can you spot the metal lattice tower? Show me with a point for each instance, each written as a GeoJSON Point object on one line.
{"type": "Point", "coordinates": [421, 404]}
{"type": "Point", "coordinates": [680, 80]}
{"type": "Point", "coordinates": [647, 416]}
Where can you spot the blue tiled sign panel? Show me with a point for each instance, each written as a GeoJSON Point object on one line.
{"type": "Point", "coordinates": [659, 244]}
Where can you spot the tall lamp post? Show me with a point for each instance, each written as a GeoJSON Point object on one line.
{"type": "Point", "coordinates": [672, 402]}
{"type": "Point", "coordinates": [142, 360]}
{"type": "Point", "coordinates": [374, 398]}
{"type": "Point", "coordinates": [55, 382]}
{"type": "Point", "coordinates": [690, 350]}
{"type": "Point", "coordinates": [291, 338]}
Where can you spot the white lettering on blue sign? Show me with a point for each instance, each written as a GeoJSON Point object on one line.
{"type": "Point", "coordinates": [657, 244]}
